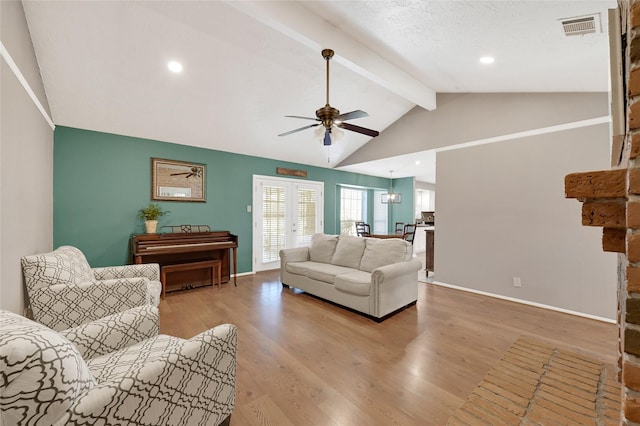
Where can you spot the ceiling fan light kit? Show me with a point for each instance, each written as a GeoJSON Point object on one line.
{"type": "Point", "coordinates": [330, 117]}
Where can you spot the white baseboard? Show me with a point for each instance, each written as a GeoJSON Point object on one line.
{"type": "Point", "coordinates": [242, 274]}
{"type": "Point", "coordinates": [525, 302]}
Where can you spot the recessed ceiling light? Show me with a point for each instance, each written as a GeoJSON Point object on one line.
{"type": "Point", "coordinates": [487, 60]}
{"type": "Point", "coordinates": [417, 162]}
{"type": "Point", "coordinates": [175, 66]}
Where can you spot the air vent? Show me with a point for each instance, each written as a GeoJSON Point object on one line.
{"type": "Point", "coordinates": [581, 25]}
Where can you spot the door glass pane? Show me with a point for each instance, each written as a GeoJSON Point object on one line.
{"type": "Point", "coordinates": [273, 222]}
{"type": "Point", "coordinates": [307, 220]}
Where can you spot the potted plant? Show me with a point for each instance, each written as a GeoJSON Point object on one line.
{"type": "Point", "coordinates": [150, 214]}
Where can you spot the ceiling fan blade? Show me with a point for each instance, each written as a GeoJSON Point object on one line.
{"type": "Point", "coordinates": [178, 174]}
{"type": "Point", "coordinates": [327, 137]}
{"type": "Point", "coordinates": [304, 118]}
{"type": "Point", "coordinates": [358, 129]}
{"type": "Point", "coordinates": [299, 129]}
{"type": "Point", "coordinates": [351, 115]}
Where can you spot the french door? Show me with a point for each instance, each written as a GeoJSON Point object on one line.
{"type": "Point", "coordinates": [286, 213]}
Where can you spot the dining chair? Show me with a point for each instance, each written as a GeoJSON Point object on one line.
{"type": "Point", "coordinates": [409, 232]}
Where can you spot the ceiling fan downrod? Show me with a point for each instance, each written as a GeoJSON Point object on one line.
{"type": "Point", "coordinates": [327, 113]}
{"type": "Point", "coordinates": [327, 54]}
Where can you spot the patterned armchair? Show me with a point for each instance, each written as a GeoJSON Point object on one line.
{"type": "Point", "coordinates": [64, 291]}
{"type": "Point", "coordinates": [56, 378]}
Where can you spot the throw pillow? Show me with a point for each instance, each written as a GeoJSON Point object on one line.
{"type": "Point", "coordinates": [322, 248]}
{"type": "Point", "coordinates": [379, 253]}
{"type": "Point", "coordinates": [349, 251]}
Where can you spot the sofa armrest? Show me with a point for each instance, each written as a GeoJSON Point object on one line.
{"type": "Point", "coordinates": [394, 286]}
{"type": "Point", "coordinates": [150, 271]}
{"type": "Point", "coordinates": [296, 254]}
{"type": "Point", "coordinates": [395, 270]}
{"type": "Point", "coordinates": [114, 332]}
{"type": "Point", "coordinates": [194, 383]}
{"type": "Point", "coordinates": [65, 306]}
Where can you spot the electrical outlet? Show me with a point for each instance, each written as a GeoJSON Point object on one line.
{"type": "Point", "coordinates": [517, 282]}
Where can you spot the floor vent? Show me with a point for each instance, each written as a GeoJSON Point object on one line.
{"type": "Point", "coordinates": [582, 25]}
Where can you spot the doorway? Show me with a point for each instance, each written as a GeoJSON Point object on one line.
{"type": "Point", "coordinates": [286, 214]}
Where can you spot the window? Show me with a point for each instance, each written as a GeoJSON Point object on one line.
{"type": "Point", "coordinates": [353, 208]}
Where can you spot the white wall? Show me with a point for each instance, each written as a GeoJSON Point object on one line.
{"type": "Point", "coordinates": [26, 159]}
{"type": "Point", "coordinates": [502, 214]}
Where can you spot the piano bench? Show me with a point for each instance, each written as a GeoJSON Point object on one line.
{"type": "Point", "coordinates": [215, 265]}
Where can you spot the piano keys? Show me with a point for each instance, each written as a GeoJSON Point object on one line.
{"type": "Point", "coordinates": [180, 248]}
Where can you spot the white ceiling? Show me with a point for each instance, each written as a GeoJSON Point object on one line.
{"type": "Point", "coordinates": [247, 64]}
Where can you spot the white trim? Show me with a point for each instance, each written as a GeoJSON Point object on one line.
{"type": "Point", "coordinates": [16, 71]}
{"type": "Point", "coordinates": [291, 186]}
{"type": "Point", "coordinates": [527, 133]}
{"type": "Point", "coordinates": [524, 302]}
{"type": "Point", "coordinates": [242, 274]}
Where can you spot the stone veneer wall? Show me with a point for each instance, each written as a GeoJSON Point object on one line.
{"type": "Point", "coordinates": [611, 199]}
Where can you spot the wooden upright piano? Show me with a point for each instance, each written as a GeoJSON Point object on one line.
{"type": "Point", "coordinates": [187, 247]}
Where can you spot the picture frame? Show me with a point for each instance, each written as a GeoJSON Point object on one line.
{"type": "Point", "coordinates": [173, 180]}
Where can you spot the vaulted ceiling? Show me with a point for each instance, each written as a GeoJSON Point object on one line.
{"type": "Point", "coordinates": [248, 64]}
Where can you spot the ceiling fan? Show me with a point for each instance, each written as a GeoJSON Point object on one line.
{"type": "Point", "coordinates": [330, 117]}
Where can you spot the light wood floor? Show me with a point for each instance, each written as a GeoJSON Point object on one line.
{"type": "Point", "coordinates": [302, 361]}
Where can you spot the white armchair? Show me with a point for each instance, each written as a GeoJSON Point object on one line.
{"type": "Point", "coordinates": [50, 379]}
{"type": "Point", "coordinates": [64, 291]}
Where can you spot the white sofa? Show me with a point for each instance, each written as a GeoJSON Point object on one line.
{"type": "Point", "coordinates": [376, 277]}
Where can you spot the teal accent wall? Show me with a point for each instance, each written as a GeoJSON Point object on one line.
{"type": "Point", "coordinates": [101, 180]}
{"type": "Point", "coordinates": [402, 212]}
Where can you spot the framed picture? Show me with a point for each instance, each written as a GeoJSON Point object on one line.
{"type": "Point", "coordinates": [177, 180]}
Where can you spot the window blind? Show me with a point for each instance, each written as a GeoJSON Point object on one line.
{"type": "Point", "coordinates": [307, 201]}
{"type": "Point", "coordinates": [273, 222]}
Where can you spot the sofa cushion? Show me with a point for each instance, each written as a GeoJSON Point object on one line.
{"type": "Point", "coordinates": [325, 272]}
{"type": "Point", "coordinates": [382, 252]}
{"type": "Point", "coordinates": [355, 282]}
{"type": "Point", "coordinates": [43, 372]}
{"type": "Point", "coordinates": [64, 265]}
{"type": "Point", "coordinates": [322, 247]}
{"type": "Point", "coordinates": [298, 268]}
{"type": "Point", "coordinates": [349, 251]}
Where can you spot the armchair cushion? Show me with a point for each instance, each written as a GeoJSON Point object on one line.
{"type": "Point", "coordinates": [114, 332]}
{"type": "Point", "coordinates": [64, 306]}
{"type": "Point", "coordinates": [42, 372]}
{"type": "Point", "coordinates": [163, 380]}
{"type": "Point", "coordinates": [64, 265]}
